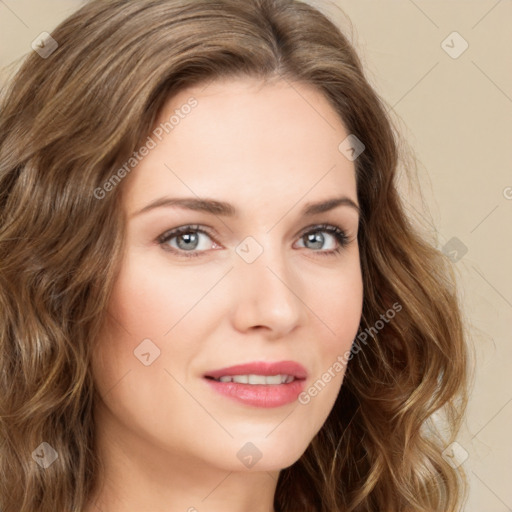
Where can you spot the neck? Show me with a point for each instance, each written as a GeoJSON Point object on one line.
{"type": "Point", "coordinates": [138, 476]}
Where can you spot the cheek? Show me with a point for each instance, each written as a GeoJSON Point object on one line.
{"type": "Point", "coordinates": [337, 303]}
{"type": "Point", "coordinates": [338, 307]}
{"type": "Point", "coordinates": [159, 310]}
{"type": "Point", "coordinates": [149, 302]}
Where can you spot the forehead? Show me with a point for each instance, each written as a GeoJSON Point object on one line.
{"type": "Point", "coordinates": [244, 140]}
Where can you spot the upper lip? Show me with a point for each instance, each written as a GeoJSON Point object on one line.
{"type": "Point", "coordinates": [262, 368]}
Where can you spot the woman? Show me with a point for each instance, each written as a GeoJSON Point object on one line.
{"type": "Point", "coordinates": [211, 295]}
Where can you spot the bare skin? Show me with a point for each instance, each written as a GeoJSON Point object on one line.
{"type": "Point", "coordinates": [169, 443]}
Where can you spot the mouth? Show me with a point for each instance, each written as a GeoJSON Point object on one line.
{"type": "Point", "coordinates": [256, 379]}
{"type": "Point", "coordinates": [259, 384]}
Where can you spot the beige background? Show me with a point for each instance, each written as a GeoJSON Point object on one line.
{"type": "Point", "coordinates": [457, 115]}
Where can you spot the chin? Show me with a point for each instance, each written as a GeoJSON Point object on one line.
{"type": "Point", "coordinates": [274, 453]}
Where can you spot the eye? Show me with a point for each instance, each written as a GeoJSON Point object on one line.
{"type": "Point", "coordinates": [187, 239]}
{"type": "Point", "coordinates": [191, 241]}
{"type": "Point", "coordinates": [315, 238]}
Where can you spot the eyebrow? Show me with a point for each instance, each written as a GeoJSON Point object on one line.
{"type": "Point", "coordinates": [228, 210]}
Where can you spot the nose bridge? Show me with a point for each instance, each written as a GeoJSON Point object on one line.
{"type": "Point", "coordinates": [267, 291]}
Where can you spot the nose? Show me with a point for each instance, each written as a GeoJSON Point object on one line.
{"type": "Point", "coordinates": [268, 295]}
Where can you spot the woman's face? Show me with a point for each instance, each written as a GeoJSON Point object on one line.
{"type": "Point", "coordinates": [258, 276]}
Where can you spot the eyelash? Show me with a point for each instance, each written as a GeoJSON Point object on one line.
{"type": "Point", "coordinates": [338, 233]}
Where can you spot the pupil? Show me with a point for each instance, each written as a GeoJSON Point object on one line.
{"type": "Point", "coordinates": [316, 238]}
{"type": "Point", "coordinates": [188, 237]}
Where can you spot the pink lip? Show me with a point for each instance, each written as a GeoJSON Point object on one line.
{"type": "Point", "coordinates": [260, 395]}
{"type": "Point", "coordinates": [262, 368]}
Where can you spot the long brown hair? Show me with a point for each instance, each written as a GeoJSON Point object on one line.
{"type": "Point", "coordinates": [71, 118]}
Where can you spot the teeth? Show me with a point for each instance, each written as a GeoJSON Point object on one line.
{"type": "Point", "coordinates": [255, 379]}
{"type": "Point", "coordinates": [258, 379]}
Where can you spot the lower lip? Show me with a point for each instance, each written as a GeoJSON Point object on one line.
{"type": "Point", "coordinates": [259, 395]}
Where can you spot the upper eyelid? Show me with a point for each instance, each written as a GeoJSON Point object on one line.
{"type": "Point", "coordinates": [171, 233]}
